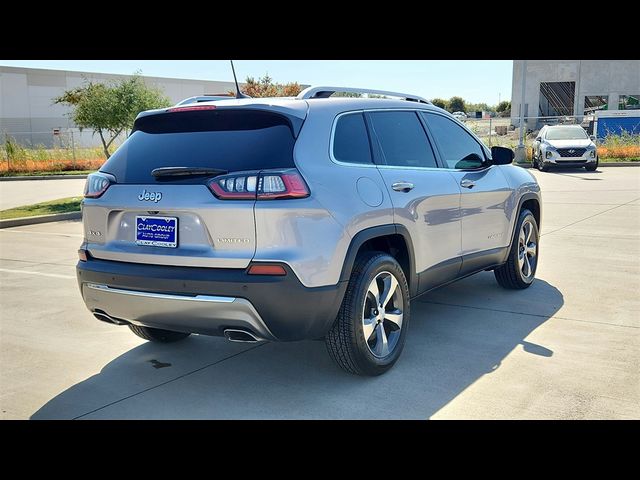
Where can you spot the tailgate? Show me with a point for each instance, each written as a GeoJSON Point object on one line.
{"type": "Point", "coordinates": [209, 232]}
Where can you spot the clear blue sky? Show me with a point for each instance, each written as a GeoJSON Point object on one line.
{"type": "Point", "coordinates": [474, 80]}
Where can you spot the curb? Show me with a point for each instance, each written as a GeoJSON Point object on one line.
{"type": "Point", "coordinates": [55, 217]}
{"type": "Point", "coordinates": [41, 177]}
{"type": "Point", "coordinates": [619, 164]}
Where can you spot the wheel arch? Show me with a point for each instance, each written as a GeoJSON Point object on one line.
{"type": "Point", "coordinates": [530, 201]}
{"type": "Point", "coordinates": [393, 239]}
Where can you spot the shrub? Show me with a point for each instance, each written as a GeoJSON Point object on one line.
{"type": "Point", "coordinates": [624, 145]}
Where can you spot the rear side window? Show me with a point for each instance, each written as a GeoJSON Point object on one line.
{"type": "Point", "coordinates": [456, 146]}
{"type": "Point", "coordinates": [402, 139]}
{"type": "Point", "coordinates": [231, 140]}
{"type": "Point", "coordinates": [351, 140]}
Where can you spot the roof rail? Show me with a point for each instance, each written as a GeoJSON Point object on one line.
{"type": "Point", "coordinates": [325, 92]}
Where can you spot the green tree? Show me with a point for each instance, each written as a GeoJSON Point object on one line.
{"type": "Point", "coordinates": [439, 102]}
{"type": "Point", "coordinates": [478, 107]}
{"type": "Point", "coordinates": [456, 104]}
{"type": "Point", "coordinates": [266, 87]}
{"type": "Point", "coordinates": [503, 106]}
{"type": "Point", "coordinates": [110, 109]}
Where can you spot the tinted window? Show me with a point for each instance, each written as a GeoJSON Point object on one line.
{"type": "Point", "coordinates": [402, 139]}
{"type": "Point", "coordinates": [351, 141]}
{"type": "Point", "coordinates": [457, 148]}
{"type": "Point", "coordinates": [232, 141]}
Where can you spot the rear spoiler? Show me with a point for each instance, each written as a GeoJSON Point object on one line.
{"type": "Point", "coordinates": [176, 119]}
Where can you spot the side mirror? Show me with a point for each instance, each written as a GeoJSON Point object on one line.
{"type": "Point", "coordinates": [592, 138]}
{"type": "Point", "coordinates": [501, 156]}
{"type": "Point", "coordinates": [539, 139]}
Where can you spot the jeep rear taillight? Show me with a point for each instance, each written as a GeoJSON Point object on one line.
{"type": "Point", "coordinates": [264, 185]}
{"type": "Point", "coordinates": [97, 184]}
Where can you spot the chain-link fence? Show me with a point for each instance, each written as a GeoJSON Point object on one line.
{"type": "Point", "coordinates": [499, 131]}
{"type": "Point", "coordinates": [72, 150]}
{"type": "Point", "coordinates": [51, 151]}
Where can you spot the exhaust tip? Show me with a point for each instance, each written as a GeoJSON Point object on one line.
{"type": "Point", "coordinates": [103, 317]}
{"type": "Point", "coordinates": [244, 336]}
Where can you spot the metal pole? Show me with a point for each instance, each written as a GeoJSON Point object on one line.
{"type": "Point", "coordinates": [73, 147]}
{"type": "Point", "coordinates": [524, 82]}
{"type": "Point", "coordinates": [489, 131]}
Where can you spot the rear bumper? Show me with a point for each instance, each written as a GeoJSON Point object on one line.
{"type": "Point", "coordinates": [209, 300]}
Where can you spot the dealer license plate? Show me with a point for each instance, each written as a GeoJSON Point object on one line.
{"type": "Point", "coordinates": [157, 231]}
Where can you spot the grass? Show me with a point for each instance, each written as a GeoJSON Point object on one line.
{"type": "Point", "coordinates": [46, 172]}
{"type": "Point", "coordinates": [62, 205]}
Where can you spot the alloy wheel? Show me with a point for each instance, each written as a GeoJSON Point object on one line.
{"type": "Point", "coordinates": [527, 250]}
{"type": "Point", "coordinates": [382, 314]}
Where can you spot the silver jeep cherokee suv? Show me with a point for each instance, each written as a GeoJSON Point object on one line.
{"type": "Point", "coordinates": [312, 217]}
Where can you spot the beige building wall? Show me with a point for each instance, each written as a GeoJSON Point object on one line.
{"type": "Point", "coordinates": [610, 78]}
{"type": "Point", "coordinates": [28, 114]}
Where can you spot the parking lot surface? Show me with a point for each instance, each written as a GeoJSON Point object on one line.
{"type": "Point", "coordinates": [566, 348]}
{"type": "Point", "coordinates": [26, 192]}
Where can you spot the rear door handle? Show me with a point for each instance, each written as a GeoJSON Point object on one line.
{"type": "Point", "coordinates": [403, 186]}
{"type": "Point", "coordinates": [467, 183]}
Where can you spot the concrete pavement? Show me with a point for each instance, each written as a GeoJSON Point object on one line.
{"type": "Point", "coordinates": [27, 192]}
{"type": "Point", "coordinates": [568, 347]}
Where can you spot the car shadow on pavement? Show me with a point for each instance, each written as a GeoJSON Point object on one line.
{"type": "Point", "coordinates": [458, 334]}
{"type": "Point", "coordinates": [575, 172]}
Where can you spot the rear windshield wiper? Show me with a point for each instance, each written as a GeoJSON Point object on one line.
{"type": "Point", "coordinates": [186, 171]}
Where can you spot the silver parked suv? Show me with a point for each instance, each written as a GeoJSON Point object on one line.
{"type": "Point", "coordinates": [300, 218]}
{"type": "Point", "coordinates": [564, 146]}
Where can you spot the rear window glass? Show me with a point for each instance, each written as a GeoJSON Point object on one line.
{"type": "Point", "coordinates": [351, 141]}
{"type": "Point", "coordinates": [232, 140]}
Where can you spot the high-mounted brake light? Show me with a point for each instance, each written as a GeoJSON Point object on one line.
{"type": "Point", "coordinates": [96, 185]}
{"type": "Point", "coordinates": [264, 185]}
{"type": "Point", "coordinates": [194, 107]}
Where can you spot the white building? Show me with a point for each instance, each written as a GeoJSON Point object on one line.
{"type": "Point", "coordinates": [574, 87]}
{"type": "Point", "coordinates": [28, 114]}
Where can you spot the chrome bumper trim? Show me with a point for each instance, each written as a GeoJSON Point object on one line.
{"type": "Point", "coordinates": [136, 293]}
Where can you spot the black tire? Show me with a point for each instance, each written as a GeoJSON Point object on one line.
{"type": "Point", "coordinates": [346, 341]}
{"type": "Point", "coordinates": [592, 167]}
{"type": "Point", "coordinates": [541, 165]}
{"type": "Point", "coordinates": [510, 275]}
{"type": "Point", "coordinates": [157, 335]}
{"type": "Point", "coordinates": [534, 160]}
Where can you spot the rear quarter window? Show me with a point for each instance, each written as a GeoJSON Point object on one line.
{"type": "Point", "coordinates": [351, 140]}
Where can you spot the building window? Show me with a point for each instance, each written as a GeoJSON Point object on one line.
{"type": "Point", "coordinates": [556, 98]}
{"type": "Point", "coordinates": [595, 102]}
{"type": "Point", "coordinates": [629, 102]}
